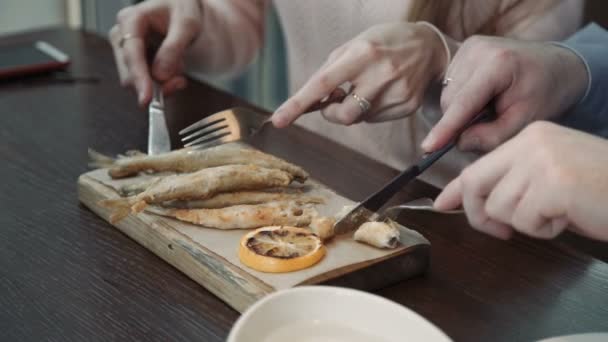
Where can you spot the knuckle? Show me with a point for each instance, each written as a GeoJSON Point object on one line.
{"type": "Point", "coordinates": [189, 23]}
{"type": "Point", "coordinates": [324, 83]}
{"type": "Point", "coordinates": [295, 106]}
{"type": "Point", "coordinates": [126, 13]}
{"type": "Point", "coordinates": [504, 56]}
{"type": "Point", "coordinates": [470, 182]}
{"type": "Point", "coordinates": [368, 49]}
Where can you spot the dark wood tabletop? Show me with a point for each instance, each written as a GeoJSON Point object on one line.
{"type": "Point", "coordinates": [66, 274]}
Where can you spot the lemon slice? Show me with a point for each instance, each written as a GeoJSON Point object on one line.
{"type": "Point", "coordinates": [280, 249]}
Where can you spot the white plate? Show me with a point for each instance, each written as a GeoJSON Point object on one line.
{"type": "Point", "coordinates": [331, 314]}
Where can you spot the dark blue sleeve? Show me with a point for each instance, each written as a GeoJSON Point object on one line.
{"type": "Point", "coordinates": [591, 113]}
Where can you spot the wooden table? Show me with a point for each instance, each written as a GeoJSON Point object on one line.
{"type": "Point", "coordinates": [65, 274]}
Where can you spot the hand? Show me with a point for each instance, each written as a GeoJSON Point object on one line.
{"type": "Point", "coordinates": [542, 181]}
{"type": "Point", "coordinates": [528, 81]}
{"type": "Point", "coordinates": [178, 21]}
{"type": "Point", "coordinates": [390, 65]}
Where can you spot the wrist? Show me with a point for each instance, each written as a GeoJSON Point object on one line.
{"type": "Point", "coordinates": [446, 49]}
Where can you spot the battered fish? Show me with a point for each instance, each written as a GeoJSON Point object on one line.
{"type": "Point", "coordinates": [199, 185]}
{"type": "Point", "coordinates": [284, 213]}
{"type": "Point", "coordinates": [242, 197]}
{"type": "Point", "coordinates": [190, 160]}
{"type": "Point", "coordinates": [378, 234]}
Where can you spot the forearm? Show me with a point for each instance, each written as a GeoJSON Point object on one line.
{"type": "Point", "coordinates": [232, 34]}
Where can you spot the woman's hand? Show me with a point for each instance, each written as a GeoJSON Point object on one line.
{"type": "Point", "coordinates": [389, 65]}
{"type": "Point", "coordinates": [527, 81]}
{"type": "Point", "coordinates": [178, 21]}
{"type": "Point", "coordinates": [539, 183]}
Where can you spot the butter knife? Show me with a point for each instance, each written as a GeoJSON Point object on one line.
{"type": "Point", "coordinates": [364, 211]}
{"type": "Point", "coordinates": [158, 134]}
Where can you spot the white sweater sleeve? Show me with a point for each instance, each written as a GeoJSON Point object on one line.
{"type": "Point", "coordinates": [232, 33]}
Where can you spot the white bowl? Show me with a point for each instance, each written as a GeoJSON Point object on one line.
{"type": "Point", "coordinates": [331, 314]}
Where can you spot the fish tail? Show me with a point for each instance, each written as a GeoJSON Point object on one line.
{"type": "Point", "coordinates": [100, 161]}
{"type": "Point", "coordinates": [139, 206]}
{"type": "Point", "coordinates": [120, 208]}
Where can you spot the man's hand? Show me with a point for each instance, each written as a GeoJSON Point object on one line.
{"type": "Point", "coordinates": [527, 81]}
{"type": "Point", "coordinates": [544, 180]}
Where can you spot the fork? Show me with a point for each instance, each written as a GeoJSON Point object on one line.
{"type": "Point", "coordinates": [235, 124]}
{"type": "Point", "coordinates": [229, 125]}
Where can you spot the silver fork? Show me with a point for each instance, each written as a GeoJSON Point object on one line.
{"type": "Point", "coordinates": [421, 204]}
{"type": "Point", "coordinates": [233, 124]}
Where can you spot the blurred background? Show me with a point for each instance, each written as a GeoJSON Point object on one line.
{"type": "Point", "coordinates": [266, 89]}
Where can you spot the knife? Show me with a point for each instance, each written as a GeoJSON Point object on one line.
{"type": "Point", "coordinates": [364, 211]}
{"type": "Point", "coordinates": [158, 134]}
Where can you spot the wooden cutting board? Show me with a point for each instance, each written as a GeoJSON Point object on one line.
{"type": "Point", "coordinates": [209, 256]}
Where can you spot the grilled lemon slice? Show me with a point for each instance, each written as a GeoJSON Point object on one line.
{"type": "Point", "coordinates": [280, 249]}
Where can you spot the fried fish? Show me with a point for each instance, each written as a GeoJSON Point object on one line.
{"type": "Point", "coordinates": [378, 234]}
{"type": "Point", "coordinates": [247, 216]}
{"type": "Point", "coordinates": [191, 160]}
{"type": "Point", "coordinates": [199, 185]}
{"type": "Point", "coordinates": [228, 199]}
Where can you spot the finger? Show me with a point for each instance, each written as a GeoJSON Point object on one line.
{"type": "Point", "coordinates": [344, 69]}
{"type": "Point", "coordinates": [174, 84]}
{"type": "Point", "coordinates": [451, 196]}
{"type": "Point", "coordinates": [133, 51]}
{"type": "Point", "coordinates": [478, 180]}
{"type": "Point", "coordinates": [336, 96]}
{"type": "Point", "coordinates": [527, 217]}
{"type": "Point", "coordinates": [123, 71]}
{"type": "Point", "coordinates": [476, 93]}
{"type": "Point", "coordinates": [184, 27]}
{"type": "Point", "coordinates": [503, 199]}
{"type": "Point", "coordinates": [352, 110]}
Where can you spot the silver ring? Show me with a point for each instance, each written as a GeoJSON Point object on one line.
{"type": "Point", "coordinates": [124, 38]}
{"type": "Point", "coordinates": [446, 81]}
{"type": "Point", "coordinates": [363, 103]}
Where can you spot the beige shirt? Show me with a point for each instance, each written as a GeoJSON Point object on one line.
{"type": "Point", "coordinates": [313, 28]}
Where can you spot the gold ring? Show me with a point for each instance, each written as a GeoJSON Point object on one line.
{"type": "Point", "coordinates": [363, 103]}
{"type": "Point", "coordinates": [446, 81]}
{"type": "Point", "coordinates": [124, 38]}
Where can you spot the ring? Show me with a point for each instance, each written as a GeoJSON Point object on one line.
{"type": "Point", "coordinates": [446, 81]}
{"type": "Point", "coordinates": [362, 102]}
{"type": "Point", "coordinates": [124, 38]}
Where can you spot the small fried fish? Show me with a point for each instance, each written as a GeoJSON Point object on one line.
{"type": "Point", "coordinates": [247, 216]}
{"type": "Point", "coordinates": [228, 199]}
{"type": "Point", "coordinates": [378, 234]}
{"type": "Point", "coordinates": [199, 185]}
{"type": "Point", "coordinates": [191, 160]}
